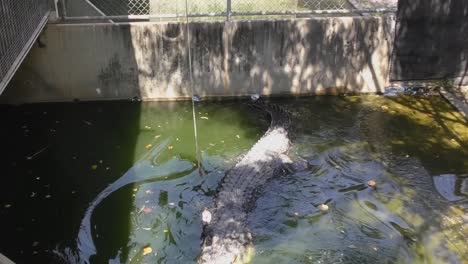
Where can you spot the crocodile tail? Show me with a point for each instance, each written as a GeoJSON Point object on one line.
{"type": "Point", "coordinates": [280, 117]}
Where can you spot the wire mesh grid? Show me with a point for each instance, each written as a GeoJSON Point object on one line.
{"type": "Point", "coordinates": [122, 7]}
{"type": "Point", "coordinates": [19, 20]}
{"type": "Point", "coordinates": [165, 7]}
{"type": "Point", "coordinates": [244, 6]}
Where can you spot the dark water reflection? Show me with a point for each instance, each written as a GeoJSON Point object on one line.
{"type": "Point", "coordinates": [134, 164]}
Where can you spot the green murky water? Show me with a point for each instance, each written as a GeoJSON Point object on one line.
{"type": "Point", "coordinates": [133, 166]}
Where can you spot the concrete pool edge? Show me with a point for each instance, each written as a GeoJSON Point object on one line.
{"type": "Point", "coordinates": [457, 98]}
{"type": "Point", "coordinates": [311, 56]}
{"type": "Point", "coordinates": [5, 260]}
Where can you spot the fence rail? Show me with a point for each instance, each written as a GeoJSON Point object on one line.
{"type": "Point", "coordinates": [20, 23]}
{"type": "Point", "coordinates": [175, 9]}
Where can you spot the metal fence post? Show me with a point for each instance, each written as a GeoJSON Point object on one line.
{"type": "Point", "coordinates": [228, 10]}
{"type": "Point", "coordinates": [61, 8]}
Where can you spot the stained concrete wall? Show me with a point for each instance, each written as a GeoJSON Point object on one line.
{"type": "Point", "coordinates": [431, 40]}
{"type": "Point", "coordinates": [119, 61]}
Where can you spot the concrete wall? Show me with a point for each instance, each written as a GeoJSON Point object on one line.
{"type": "Point", "coordinates": [116, 61]}
{"type": "Point", "coordinates": [432, 40]}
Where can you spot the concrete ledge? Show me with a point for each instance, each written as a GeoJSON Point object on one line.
{"type": "Point", "coordinates": [457, 99]}
{"type": "Point", "coordinates": [149, 60]}
{"type": "Point", "coordinates": [5, 260]}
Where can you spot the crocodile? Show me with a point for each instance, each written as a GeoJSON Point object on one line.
{"type": "Point", "coordinates": [226, 237]}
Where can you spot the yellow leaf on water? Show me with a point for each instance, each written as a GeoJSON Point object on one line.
{"type": "Point", "coordinates": [148, 146]}
{"type": "Point", "coordinates": [170, 147]}
{"type": "Point", "coordinates": [372, 183]}
{"type": "Point", "coordinates": [147, 250]}
{"type": "Point", "coordinates": [323, 207]}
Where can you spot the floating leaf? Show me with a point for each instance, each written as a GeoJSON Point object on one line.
{"type": "Point", "coordinates": [170, 147]}
{"type": "Point", "coordinates": [204, 117]}
{"type": "Point", "coordinates": [148, 146]}
{"type": "Point", "coordinates": [237, 136]}
{"type": "Point", "coordinates": [147, 250]}
{"type": "Point", "coordinates": [323, 207]}
{"type": "Point", "coordinates": [372, 183]}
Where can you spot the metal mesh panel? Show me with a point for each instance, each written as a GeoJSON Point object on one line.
{"type": "Point", "coordinates": [323, 4]}
{"type": "Point", "coordinates": [158, 7]}
{"type": "Point", "coordinates": [167, 10]}
{"type": "Point", "coordinates": [123, 7]}
{"type": "Point", "coordinates": [287, 5]}
{"type": "Point", "coordinates": [19, 20]}
{"type": "Point", "coordinates": [161, 7]}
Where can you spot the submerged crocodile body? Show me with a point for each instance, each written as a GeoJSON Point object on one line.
{"type": "Point", "coordinates": [226, 238]}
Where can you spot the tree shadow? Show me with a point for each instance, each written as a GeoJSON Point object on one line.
{"type": "Point", "coordinates": [431, 39]}
{"type": "Point", "coordinates": [418, 143]}
{"type": "Point", "coordinates": [306, 56]}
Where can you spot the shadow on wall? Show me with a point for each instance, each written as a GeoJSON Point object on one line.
{"type": "Point", "coordinates": [309, 56]}
{"type": "Point", "coordinates": [431, 40]}
{"type": "Point", "coordinates": [120, 61]}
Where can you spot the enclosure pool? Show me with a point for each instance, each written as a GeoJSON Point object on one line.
{"type": "Point", "coordinates": [393, 173]}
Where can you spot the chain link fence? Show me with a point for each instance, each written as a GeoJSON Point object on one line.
{"type": "Point", "coordinates": [20, 22]}
{"type": "Point", "coordinates": [222, 7]}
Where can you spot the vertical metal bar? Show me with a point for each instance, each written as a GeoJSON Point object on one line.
{"type": "Point", "coordinates": [297, 8]}
{"type": "Point", "coordinates": [57, 12]}
{"type": "Point", "coordinates": [228, 10]}
{"type": "Point", "coordinates": [62, 9]}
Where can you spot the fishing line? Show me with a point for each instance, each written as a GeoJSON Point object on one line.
{"type": "Point", "coordinates": [194, 115]}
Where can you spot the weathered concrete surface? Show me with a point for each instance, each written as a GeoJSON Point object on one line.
{"type": "Point", "coordinates": [431, 40]}
{"type": "Point", "coordinates": [116, 61]}
{"type": "Point", "coordinates": [5, 260]}
{"type": "Point", "coordinates": [457, 97]}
